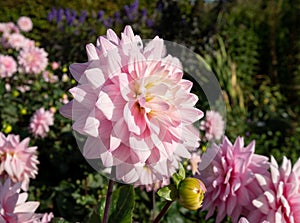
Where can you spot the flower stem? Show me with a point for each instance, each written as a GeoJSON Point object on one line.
{"type": "Point", "coordinates": [162, 212]}
{"type": "Point", "coordinates": [107, 201]}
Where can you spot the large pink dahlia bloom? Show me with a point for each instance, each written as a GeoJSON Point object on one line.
{"type": "Point", "coordinates": [13, 205]}
{"type": "Point", "coordinates": [280, 200]}
{"type": "Point", "coordinates": [230, 178]}
{"type": "Point", "coordinates": [17, 160]}
{"type": "Point", "coordinates": [134, 107]}
{"type": "Point", "coordinates": [40, 122]}
{"type": "Point", "coordinates": [33, 60]}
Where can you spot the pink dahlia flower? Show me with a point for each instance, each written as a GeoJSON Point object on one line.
{"type": "Point", "coordinates": [194, 161]}
{"type": "Point", "coordinates": [33, 60]}
{"type": "Point", "coordinates": [17, 160]}
{"type": "Point", "coordinates": [25, 23]}
{"type": "Point", "coordinates": [43, 218]}
{"type": "Point", "coordinates": [8, 27]}
{"type": "Point", "coordinates": [213, 125]}
{"type": "Point", "coordinates": [14, 40]}
{"type": "Point", "coordinates": [134, 107]}
{"type": "Point", "coordinates": [54, 65]}
{"type": "Point", "coordinates": [279, 201]}
{"type": "Point", "coordinates": [8, 66]}
{"type": "Point", "coordinates": [230, 178]}
{"type": "Point", "coordinates": [13, 206]}
{"type": "Point", "coordinates": [49, 77]}
{"type": "Point", "coordinates": [40, 122]}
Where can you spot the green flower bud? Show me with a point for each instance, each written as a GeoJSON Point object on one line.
{"type": "Point", "coordinates": [191, 193]}
{"type": "Point", "coordinates": [7, 128]}
{"type": "Point", "coordinates": [23, 111]}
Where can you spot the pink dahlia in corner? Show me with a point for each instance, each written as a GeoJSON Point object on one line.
{"type": "Point", "coordinates": [134, 107]}
{"type": "Point", "coordinates": [230, 178]}
{"type": "Point", "coordinates": [17, 160]}
{"type": "Point", "coordinates": [40, 122]}
{"type": "Point", "coordinates": [279, 201]}
{"type": "Point", "coordinates": [213, 125]}
{"type": "Point", "coordinates": [13, 208]}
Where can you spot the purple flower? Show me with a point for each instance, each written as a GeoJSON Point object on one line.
{"type": "Point", "coordinates": [52, 15]}
{"type": "Point", "coordinates": [83, 16]}
{"type": "Point", "coordinates": [144, 12]}
{"type": "Point", "coordinates": [150, 23]}
{"type": "Point", "coordinates": [70, 16]}
{"type": "Point", "coordinates": [131, 11]}
{"type": "Point", "coordinates": [100, 14]}
{"type": "Point", "coordinates": [59, 15]}
{"type": "Point", "coordinates": [160, 5]}
{"type": "Point", "coordinates": [108, 22]}
{"type": "Point", "coordinates": [117, 17]}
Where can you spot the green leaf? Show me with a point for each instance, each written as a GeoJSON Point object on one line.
{"type": "Point", "coordinates": [97, 212]}
{"type": "Point", "coordinates": [179, 176]}
{"type": "Point", "coordinates": [169, 192]}
{"type": "Point", "coordinates": [2, 88]}
{"type": "Point", "coordinates": [59, 220]}
{"type": "Point", "coordinates": [123, 198]}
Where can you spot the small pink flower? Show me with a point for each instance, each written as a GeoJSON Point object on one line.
{"type": "Point", "coordinates": [40, 122]}
{"type": "Point", "coordinates": [134, 107]}
{"type": "Point", "coordinates": [157, 185]}
{"type": "Point", "coordinates": [279, 201]}
{"type": "Point", "coordinates": [43, 218]}
{"type": "Point", "coordinates": [13, 205]}
{"type": "Point", "coordinates": [25, 23]}
{"type": "Point", "coordinates": [14, 40]}
{"type": "Point", "coordinates": [213, 125]}
{"type": "Point", "coordinates": [49, 77]}
{"type": "Point", "coordinates": [33, 60]}
{"type": "Point", "coordinates": [28, 43]}
{"type": "Point", "coordinates": [23, 88]}
{"type": "Point", "coordinates": [54, 65]}
{"type": "Point", "coordinates": [17, 160]}
{"type": "Point", "coordinates": [64, 99]}
{"type": "Point", "coordinates": [230, 179]}
{"type": "Point", "coordinates": [194, 161]}
{"type": "Point", "coordinates": [8, 66]}
{"type": "Point", "coordinates": [8, 27]}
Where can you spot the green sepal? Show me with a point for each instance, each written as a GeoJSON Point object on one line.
{"type": "Point", "coordinates": [169, 192]}
{"type": "Point", "coordinates": [179, 176]}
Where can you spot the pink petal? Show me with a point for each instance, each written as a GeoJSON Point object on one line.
{"type": "Point", "coordinates": [112, 36]}
{"type": "Point", "coordinates": [77, 70]}
{"type": "Point", "coordinates": [105, 104]}
{"type": "Point", "coordinates": [93, 147]}
{"type": "Point", "coordinates": [91, 52]}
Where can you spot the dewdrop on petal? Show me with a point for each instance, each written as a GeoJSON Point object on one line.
{"type": "Point", "coordinates": [191, 193]}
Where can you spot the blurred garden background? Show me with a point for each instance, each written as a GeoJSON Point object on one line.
{"type": "Point", "coordinates": [253, 47]}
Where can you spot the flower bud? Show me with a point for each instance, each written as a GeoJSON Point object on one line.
{"type": "Point", "coordinates": [191, 193]}
{"type": "Point", "coordinates": [7, 128]}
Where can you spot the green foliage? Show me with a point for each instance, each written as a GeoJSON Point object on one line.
{"type": "Point", "coordinates": [122, 205]}
{"type": "Point", "coordinates": [179, 176]}
{"type": "Point", "coordinates": [251, 46]}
